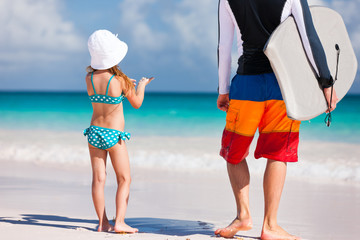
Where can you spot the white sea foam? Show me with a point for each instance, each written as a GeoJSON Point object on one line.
{"type": "Point", "coordinates": [328, 161]}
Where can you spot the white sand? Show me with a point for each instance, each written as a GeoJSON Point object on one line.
{"type": "Point", "coordinates": [54, 202]}
{"type": "Point", "coordinates": [180, 189]}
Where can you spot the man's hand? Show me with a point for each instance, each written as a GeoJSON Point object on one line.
{"type": "Point", "coordinates": [327, 93]}
{"type": "Point", "coordinates": [223, 102]}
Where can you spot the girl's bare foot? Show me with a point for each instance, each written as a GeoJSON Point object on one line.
{"type": "Point", "coordinates": [124, 228]}
{"type": "Point", "coordinates": [106, 227]}
{"type": "Point", "coordinates": [277, 233]}
{"type": "Point", "coordinates": [234, 227]}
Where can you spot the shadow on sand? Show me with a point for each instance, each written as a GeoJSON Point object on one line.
{"type": "Point", "coordinates": [50, 221]}
{"type": "Point", "coordinates": [172, 227]}
{"type": "Point", "coordinates": [145, 225]}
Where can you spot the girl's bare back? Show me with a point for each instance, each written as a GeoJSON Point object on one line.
{"type": "Point", "coordinates": [106, 115]}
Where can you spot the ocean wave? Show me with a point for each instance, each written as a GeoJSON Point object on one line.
{"type": "Point", "coordinates": [320, 161]}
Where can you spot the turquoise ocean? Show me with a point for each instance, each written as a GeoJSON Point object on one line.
{"type": "Point", "coordinates": [162, 114]}
{"type": "Point", "coordinates": [174, 131]}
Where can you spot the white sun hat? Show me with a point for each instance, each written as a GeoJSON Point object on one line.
{"type": "Point", "coordinates": [106, 50]}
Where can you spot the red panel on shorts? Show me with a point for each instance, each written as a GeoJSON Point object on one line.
{"type": "Point", "coordinates": [280, 146]}
{"type": "Point", "coordinates": [234, 147]}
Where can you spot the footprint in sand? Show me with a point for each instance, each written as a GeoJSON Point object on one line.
{"type": "Point", "coordinates": [81, 229]}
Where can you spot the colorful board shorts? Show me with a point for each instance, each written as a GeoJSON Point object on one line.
{"type": "Point", "coordinates": [256, 103]}
{"type": "Point", "coordinates": [104, 138]}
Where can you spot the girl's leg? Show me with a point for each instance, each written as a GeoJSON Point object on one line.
{"type": "Point", "coordinates": [120, 161]}
{"type": "Point", "coordinates": [98, 163]}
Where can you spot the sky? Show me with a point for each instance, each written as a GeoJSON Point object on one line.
{"type": "Point", "coordinates": [43, 43]}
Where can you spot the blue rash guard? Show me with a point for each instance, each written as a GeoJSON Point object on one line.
{"type": "Point", "coordinates": [254, 21]}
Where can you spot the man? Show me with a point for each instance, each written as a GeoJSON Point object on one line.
{"type": "Point", "coordinates": [254, 101]}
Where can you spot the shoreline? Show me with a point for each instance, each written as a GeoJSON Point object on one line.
{"type": "Point", "coordinates": [322, 162]}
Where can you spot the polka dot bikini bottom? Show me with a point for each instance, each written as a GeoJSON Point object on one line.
{"type": "Point", "coordinates": [104, 138]}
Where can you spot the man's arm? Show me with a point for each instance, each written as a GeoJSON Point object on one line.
{"type": "Point", "coordinates": [226, 36]}
{"type": "Point", "coordinates": [314, 50]}
{"type": "Point", "coordinates": [311, 42]}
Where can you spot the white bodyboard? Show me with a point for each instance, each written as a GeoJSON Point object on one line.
{"type": "Point", "coordinates": [303, 97]}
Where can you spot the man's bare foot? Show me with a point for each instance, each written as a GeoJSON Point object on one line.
{"type": "Point", "coordinates": [234, 227]}
{"type": "Point", "coordinates": [124, 228]}
{"type": "Point", "coordinates": [277, 233]}
{"type": "Point", "coordinates": [106, 227]}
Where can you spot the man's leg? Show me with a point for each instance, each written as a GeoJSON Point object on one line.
{"type": "Point", "coordinates": [274, 179]}
{"type": "Point", "coordinates": [242, 120]}
{"type": "Point", "coordinates": [239, 178]}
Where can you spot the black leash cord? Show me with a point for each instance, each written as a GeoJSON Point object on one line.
{"type": "Point", "coordinates": [328, 117]}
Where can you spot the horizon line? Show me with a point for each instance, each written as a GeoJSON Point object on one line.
{"type": "Point", "coordinates": [150, 91]}
{"type": "Point", "coordinates": [84, 91]}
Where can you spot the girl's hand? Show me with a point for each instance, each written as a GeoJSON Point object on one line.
{"type": "Point", "coordinates": [137, 97]}
{"type": "Point", "coordinates": [134, 81]}
{"type": "Point", "coordinates": [146, 81]}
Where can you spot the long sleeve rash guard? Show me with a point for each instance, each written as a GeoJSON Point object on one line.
{"type": "Point", "coordinates": [254, 21]}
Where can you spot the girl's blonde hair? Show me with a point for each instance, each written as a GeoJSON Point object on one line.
{"type": "Point", "coordinates": [128, 84]}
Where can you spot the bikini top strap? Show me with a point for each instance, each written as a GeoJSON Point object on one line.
{"type": "Point", "coordinates": [92, 82]}
{"type": "Point", "coordinates": [107, 88]}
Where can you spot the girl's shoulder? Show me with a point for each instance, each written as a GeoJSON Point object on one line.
{"type": "Point", "coordinates": [120, 80]}
{"type": "Point", "coordinates": [88, 76]}
{"type": "Point", "coordinates": [118, 77]}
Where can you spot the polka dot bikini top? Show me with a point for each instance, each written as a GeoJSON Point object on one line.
{"type": "Point", "coordinates": [98, 98]}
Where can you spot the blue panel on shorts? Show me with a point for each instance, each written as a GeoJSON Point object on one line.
{"type": "Point", "coordinates": [257, 88]}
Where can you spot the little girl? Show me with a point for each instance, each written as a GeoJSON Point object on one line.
{"type": "Point", "coordinates": [107, 86]}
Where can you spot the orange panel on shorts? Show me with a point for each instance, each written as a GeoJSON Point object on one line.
{"type": "Point", "coordinates": [276, 120]}
{"type": "Point", "coordinates": [243, 117]}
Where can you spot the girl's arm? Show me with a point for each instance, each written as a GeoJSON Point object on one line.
{"type": "Point", "coordinates": [136, 96]}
